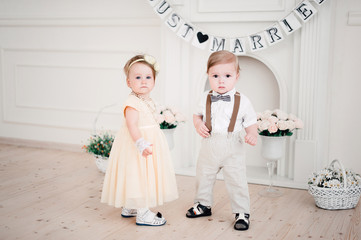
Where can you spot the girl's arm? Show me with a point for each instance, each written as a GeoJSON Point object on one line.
{"type": "Point", "coordinates": [131, 119]}
{"type": "Point", "coordinates": [251, 135]}
{"type": "Point", "coordinates": [200, 126]}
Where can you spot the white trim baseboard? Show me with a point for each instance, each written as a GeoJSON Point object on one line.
{"type": "Point", "coordinates": [41, 144]}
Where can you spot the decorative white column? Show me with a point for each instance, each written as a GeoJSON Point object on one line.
{"type": "Point", "coordinates": [175, 90]}
{"type": "Point", "coordinates": [311, 142]}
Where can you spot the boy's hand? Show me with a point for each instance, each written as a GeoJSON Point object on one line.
{"type": "Point", "coordinates": [251, 139]}
{"type": "Point", "coordinates": [202, 130]}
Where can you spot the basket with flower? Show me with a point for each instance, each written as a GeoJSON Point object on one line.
{"type": "Point", "coordinates": [335, 188]}
{"type": "Point", "coordinates": [99, 145]}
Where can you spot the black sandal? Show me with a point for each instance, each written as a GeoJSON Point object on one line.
{"type": "Point", "coordinates": [198, 210]}
{"type": "Point", "coordinates": [242, 222]}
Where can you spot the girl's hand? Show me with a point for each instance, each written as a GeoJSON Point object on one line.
{"type": "Point", "coordinates": [148, 151]}
{"type": "Point", "coordinates": [144, 147]}
{"type": "Point", "coordinates": [202, 130]}
{"type": "Point", "coordinates": [251, 139]}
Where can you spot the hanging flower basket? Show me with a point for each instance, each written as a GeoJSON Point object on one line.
{"type": "Point", "coordinates": [335, 188]}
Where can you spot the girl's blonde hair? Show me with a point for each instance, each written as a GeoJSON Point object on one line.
{"type": "Point", "coordinates": [222, 57]}
{"type": "Point", "coordinates": [138, 58]}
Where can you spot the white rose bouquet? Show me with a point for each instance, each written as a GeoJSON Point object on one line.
{"type": "Point", "coordinates": [277, 123]}
{"type": "Point", "coordinates": [168, 117]}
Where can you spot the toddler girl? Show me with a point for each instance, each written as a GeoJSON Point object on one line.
{"type": "Point", "coordinates": [140, 174]}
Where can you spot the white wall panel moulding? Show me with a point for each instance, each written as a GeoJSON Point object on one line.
{"type": "Point", "coordinates": [238, 10]}
{"type": "Point", "coordinates": [69, 88]}
{"type": "Point", "coordinates": [354, 19]}
{"type": "Point", "coordinates": [215, 6]}
{"type": "Point", "coordinates": [61, 88]}
{"type": "Point", "coordinates": [74, 22]}
{"type": "Point", "coordinates": [74, 9]}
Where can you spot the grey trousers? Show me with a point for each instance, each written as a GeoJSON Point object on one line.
{"type": "Point", "coordinates": [227, 153]}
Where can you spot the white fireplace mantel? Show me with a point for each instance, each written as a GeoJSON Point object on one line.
{"type": "Point", "coordinates": [299, 64]}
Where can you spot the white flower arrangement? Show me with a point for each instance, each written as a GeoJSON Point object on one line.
{"type": "Point", "coordinates": [168, 117]}
{"type": "Point", "coordinates": [277, 123]}
{"type": "Point", "coordinates": [333, 178]}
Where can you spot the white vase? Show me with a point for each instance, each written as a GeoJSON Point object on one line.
{"type": "Point", "coordinates": [169, 134]}
{"type": "Point", "coordinates": [101, 162]}
{"type": "Point", "coordinates": [273, 148]}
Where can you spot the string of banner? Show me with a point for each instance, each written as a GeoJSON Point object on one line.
{"type": "Point", "coordinates": [302, 13]}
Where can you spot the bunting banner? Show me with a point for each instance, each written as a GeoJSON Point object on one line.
{"type": "Point", "coordinates": [270, 36]}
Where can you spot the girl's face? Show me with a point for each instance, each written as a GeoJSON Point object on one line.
{"type": "Point", "coordinates": [140, 79]}
{"type": "Point", "coordinates": [223, 77]}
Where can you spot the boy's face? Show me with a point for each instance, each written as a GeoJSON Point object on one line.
{"type": "Point", "coordinates": [223, 77]}
{"type": "Point", "coordinates": [140, 79]}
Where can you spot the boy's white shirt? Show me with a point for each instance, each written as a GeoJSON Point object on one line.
{"type": "Point", "coordinates": [222, 111]}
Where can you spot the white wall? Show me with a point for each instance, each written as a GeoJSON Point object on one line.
{"type": "Point", "coordinates": [61, 61]}
{"type": "Point", "coordinates": [345, 86]}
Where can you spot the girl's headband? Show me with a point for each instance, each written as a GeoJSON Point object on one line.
{"type": "Point", "coordinates": [148, 59]}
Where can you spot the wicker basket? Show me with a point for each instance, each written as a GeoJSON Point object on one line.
{"type": "Point", "coordinates": [101, 162]}
{"type": "Point", "coordinates": [342, 198]}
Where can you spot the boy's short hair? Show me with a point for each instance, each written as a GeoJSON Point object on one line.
{"type": "Point", "coordinates": [222, 57]}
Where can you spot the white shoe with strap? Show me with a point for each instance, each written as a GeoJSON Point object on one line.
{"type": "Point", "coordinates": [129, 212]}
{"type": "Point", "coordinates": [149, 218]}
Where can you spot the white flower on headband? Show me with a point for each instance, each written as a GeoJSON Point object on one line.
{"type": "Point", "coordinates": [149, 59]}
{"type": "Point", "coordinates": [156, 67]}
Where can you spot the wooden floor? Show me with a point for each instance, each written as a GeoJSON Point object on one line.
{"type": "Point", "coordinates": [53, 194]}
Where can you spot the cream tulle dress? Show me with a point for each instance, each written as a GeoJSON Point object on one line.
{"type": "Point", "coordinates": [132, 181]}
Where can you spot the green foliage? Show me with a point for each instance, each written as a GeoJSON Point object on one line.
{"type": "Point", "coordinates": [279, 133]}
{"type": "Point", "coordinates": [165, 125]}
{"type": "Point", "coordinates": [100, 144]}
